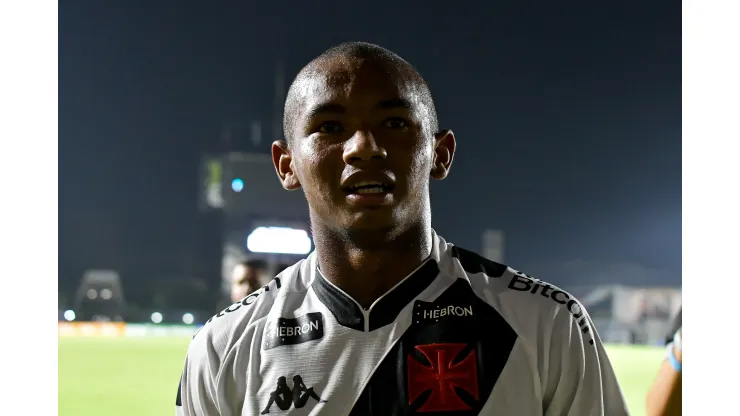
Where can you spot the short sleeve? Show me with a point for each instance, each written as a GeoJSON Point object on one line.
{"type": "Point", "coordinates": [198, 392]}
{"type": "Point", "coordinates": [581, 380]}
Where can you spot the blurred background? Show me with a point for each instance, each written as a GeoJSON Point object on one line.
{"type": "Point", "coordinates": [568, 119]}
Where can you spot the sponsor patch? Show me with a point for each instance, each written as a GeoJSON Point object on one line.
{"type": "Point", "coordinates": [292, 331]}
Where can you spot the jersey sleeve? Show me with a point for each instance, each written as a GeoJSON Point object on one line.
{"type": "Point", "coordinates": [198, 393]}
{"type": "Point", "coordinates": [581, 380]}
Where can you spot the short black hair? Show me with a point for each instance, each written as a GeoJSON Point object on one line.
{"type": "Point", "coordinates": [359, 50]}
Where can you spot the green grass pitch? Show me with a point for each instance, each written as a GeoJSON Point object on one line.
{"type": "Point", "coordinates": [139, 376]}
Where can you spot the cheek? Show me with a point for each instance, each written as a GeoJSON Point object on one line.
{"type": "Point", "coordinates": [316, 168]}
{"type": "Point", "coordinates": [418, 174]}
{"type": "Point", "coordinates": [421, 162]}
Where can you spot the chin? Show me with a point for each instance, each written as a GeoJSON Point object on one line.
{"type": "Point", "coordinates": [371, 223]}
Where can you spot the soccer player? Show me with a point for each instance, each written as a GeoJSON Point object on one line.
{"type": "Point", "coordinates": [385, 317]}
{"type": "Point", "coordinates": [246, 278]}
{"type": "Point", "coordinates": [664, 396]}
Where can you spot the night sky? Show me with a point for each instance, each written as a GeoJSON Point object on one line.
{"type": "Point", "coordinates": [567, 116]}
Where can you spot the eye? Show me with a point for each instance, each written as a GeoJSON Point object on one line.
{"type": "Point", "coordinates": [330, 127]}
{"type": "Point", "coordinates": [396, 123]}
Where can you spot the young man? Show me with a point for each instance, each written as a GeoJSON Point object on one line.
{"type": "Point", "coordinates": [385, 317]}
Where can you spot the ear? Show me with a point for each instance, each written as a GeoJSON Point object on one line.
{"type": "Point", "coordinates": [444, 152]}
{"type": "Point", "coordinates": [283, 161]}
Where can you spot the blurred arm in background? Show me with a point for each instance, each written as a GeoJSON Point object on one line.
{"type": "Point", "coordinates": [664, 396]}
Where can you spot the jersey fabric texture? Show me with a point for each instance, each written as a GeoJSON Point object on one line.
{"type": "Point", "coordinates": [461, 335]}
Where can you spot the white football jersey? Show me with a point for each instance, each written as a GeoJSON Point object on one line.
{"type": "Point", "coordinates": [461, 335]}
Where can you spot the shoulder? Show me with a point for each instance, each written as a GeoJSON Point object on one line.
{"type": "Point", "coordinates": [237, 322]}
{"type": "Point", "coordinates": [533, 307]}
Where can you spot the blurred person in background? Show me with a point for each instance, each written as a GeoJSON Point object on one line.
{"type": "Point", "coordinates": [385, 317]}
{"type": "Point", "coordinates": [247, 277]}
{"type": "Point", "coordinates": [664, 396]}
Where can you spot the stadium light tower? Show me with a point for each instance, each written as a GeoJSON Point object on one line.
{"type": "Point", "coordinates": [260, 219]}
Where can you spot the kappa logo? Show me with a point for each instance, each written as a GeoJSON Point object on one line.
{"type": "Point", "coordinates": [442, 378]}
{"type": "Point", "coordinates": [284, 396]}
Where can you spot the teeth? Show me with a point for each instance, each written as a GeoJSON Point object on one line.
{"type": "Point", "coordinates": [367, 183]}
{"type": "Point", "coordinates": [373, 190]}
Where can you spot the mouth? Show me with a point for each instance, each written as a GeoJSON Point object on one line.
{"type": "Point", "coordinates": [370, 194]}
{"type": "Point", "coordinates": [369, 188]}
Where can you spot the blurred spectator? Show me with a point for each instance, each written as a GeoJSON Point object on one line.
{"type": "Point", "coordinates": [247, 277]}
{"type": "Point", "coordinates": [664, 396]}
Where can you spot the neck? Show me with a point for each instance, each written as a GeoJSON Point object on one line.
{"type": "Point", "coordinates": [366, 264]}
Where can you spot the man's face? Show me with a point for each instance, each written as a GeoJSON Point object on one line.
{"type": "Point", "coordinates": [362, 148]}
{"type": "Point", "coordinates": [244, 280]}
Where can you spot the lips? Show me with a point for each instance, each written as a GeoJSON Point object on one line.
{"type": "Point", "coordinates": [369, 187]}
{"type": "Point", "coordinates": [369, 190]}
{"type": "Point", "coordinates": [365, 183]}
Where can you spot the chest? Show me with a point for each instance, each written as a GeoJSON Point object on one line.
{"type": "Point", "coordinates": [437, 358]}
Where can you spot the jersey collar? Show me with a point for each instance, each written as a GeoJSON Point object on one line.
{"type": "Point", "coordinates": [385, 310]}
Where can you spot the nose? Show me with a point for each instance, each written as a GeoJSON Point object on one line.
{"type": "Point", "coordinates": [363, 148]}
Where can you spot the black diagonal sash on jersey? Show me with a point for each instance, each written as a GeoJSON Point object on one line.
{"type": "Point", "coordinates": [458, 339]}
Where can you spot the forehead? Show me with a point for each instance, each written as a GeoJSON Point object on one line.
{"type": "Point", "coordinates": [354, 84]}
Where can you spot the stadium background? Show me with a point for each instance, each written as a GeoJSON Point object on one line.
{"type": "Point", "coordinates": [123, 329]}
{"type": "Point", "coordinates": [106, 343]}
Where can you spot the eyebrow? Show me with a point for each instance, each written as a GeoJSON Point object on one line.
{"type": "Point", "coordinates": [334, 108]}
{"type": "Point", "coordinates": [328, 108]}
{"type": "Point", "coordinates": [394, 103]}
